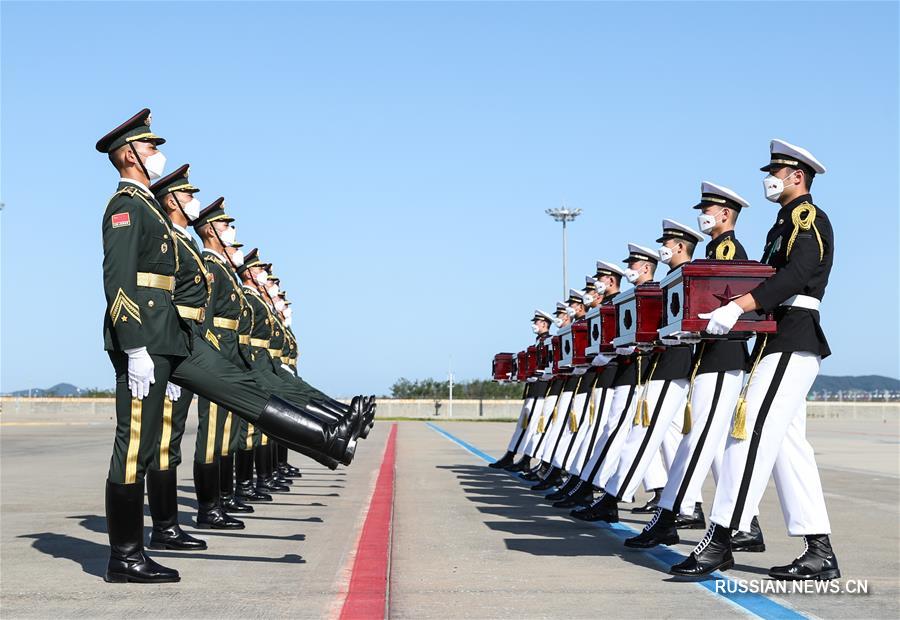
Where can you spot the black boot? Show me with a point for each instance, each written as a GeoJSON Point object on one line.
{"type": "Point", "coordinates": [227, 498]}
{"type": "Point", "coordinates": [244, 488]}
{"type": "Point", "coordinates": [696, 521]}
{"type": "Point", "coordinates": [264, 481]}
{"type": "Point", "coordinates": [553, 477]}
{"type": "Point", "coordinates": [209, 513]}
{"type": "Point", "coordinates": [273, 467]}
{"type": "Point", "coordinates": [606, 508]}
{"type": "Point", "coordinates": [125, 525]}
{"type": "Point", "coordinates": [535, 473]}
{"type": "Point", "coordinates": [660, 531]}
{"type": "Point", "coordinates": [581, 495]}
{"type": "Point", "coordinates": [817, 562]}
{"type": "Point", "coordinates": [523, 464]}
{"type": "Point", "coordinates": [505, 461]}
{"type": "Point", "coordinates": [749, 541]}
{"type": "Point", "coordinates": [565, 489]}
{"type": "Point", "coordinates": [162, 495]}
{"type": "Point", "coordinates": [301, 432]}
{"type": "Point", "coordinates": [712, 554]}
{"type": "Point", "coordinates": [651, 505]}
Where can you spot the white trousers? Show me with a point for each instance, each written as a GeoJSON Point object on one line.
{"type": "Point", "coordinates": [712, 406]}
{"type": "Point", "coordinates": [664, 399]}
{"type": "Point", "coordinates": [578, 410]}
{"type": "Point", "coordinates": [517, 440]}
{"type": "Point", "coordinates": [545, 392]}
{"type": "Point", "coordinates": [776, 441]}
{"type": "Point", "coordinates": [656, 475]}
{"type": "Point", "coordinates": [606, 451]}
{"type": "Point", "coordinates": [559, 421]}
{"type": "Point", "coordinates": [589, 432]}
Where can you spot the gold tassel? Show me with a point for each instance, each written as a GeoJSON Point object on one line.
{"type": "Point", "coordinates": [541, 424]}
{"type": "Point", "coordinates": [645, 413]}
{"type": "Point", "coordinates": [591, 408]}
{"type": "Point", "coordinates": [739, 431]}
{"type": "Point", "coordinates": [524, 423]}
{"type": "Point", "coordinates": [686, 423]}
{"type": "Point", "coordinates": [637, 412]}
{"type": "Point", "coordinates": [555, 408]}
{"type": "Point", "coordinates": [573, 422]}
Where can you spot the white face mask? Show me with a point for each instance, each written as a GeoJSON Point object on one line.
{"type": "Point", "coordinates": [273, 290]}
{"type": "Point", "coordinates": [707, 221]}
{"type": "Point", "coordinates": [534, 327]}
{"type": "Point", "coordinates": [192, 209]}
{"type": "Point", "coordinates": [570, 312]}
{"type": "Point", "coordinates": [279, 305]}
{"type": "Point", "coordinates": [774, 186]}
{"type": "Point", "coordinates": [155, 165]}
{"type": "Point", "coordinates": [237, 258]}
{"type": "Point", "coordinates": [665, 254]}
{"type": "Point", "coordinates": [558, 322]}
{"type": "Point", "coordinates": [287, 321]}
{"type": "Point", "coordinates": [228, 236]}
{"type": "Point", "coordinates": [288, 313]}
{"type": "Point", "coordinates": [587, 299]}
{"type": "Point", "coordinates": [261, 277]}
{"type": "Point", "coordinates": [601, 288]}
{"type": "Point", "coordinates": [631, 275]}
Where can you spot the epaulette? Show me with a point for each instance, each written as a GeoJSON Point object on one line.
{"type": "Point", "coordinates": [725, 249]}
{"type": "Point", "coordinates": [804, 218]}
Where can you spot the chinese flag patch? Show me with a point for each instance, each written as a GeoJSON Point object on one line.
{"type": "Point", "coordinates": [121, 219]}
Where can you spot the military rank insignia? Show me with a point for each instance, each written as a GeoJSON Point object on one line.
{"type": "Point", "coordinates": [121, 219]}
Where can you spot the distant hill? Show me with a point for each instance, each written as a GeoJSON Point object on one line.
{"type": "Point", "coordinates": [864, 383]}
{"type": "Point", "coordinates": [60, 389]}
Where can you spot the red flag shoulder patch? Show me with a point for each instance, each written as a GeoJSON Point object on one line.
{"type": "Point", "coordinates": [121, 219]}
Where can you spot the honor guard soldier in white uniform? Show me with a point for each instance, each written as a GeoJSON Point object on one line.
{"type": "Point", "coordinates": [540, 324]}
{"type": "Point", "coordinates": [769, 433]}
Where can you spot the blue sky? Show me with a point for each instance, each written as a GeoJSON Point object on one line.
{"type": "Point", "coordinates": [394, 160]}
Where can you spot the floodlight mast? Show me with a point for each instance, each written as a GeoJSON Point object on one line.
{"type": "Point", "coordinates": [564, 215]}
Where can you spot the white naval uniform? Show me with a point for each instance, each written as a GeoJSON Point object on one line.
{"type": "Point", "coordinates": [776, 429]}
{"type": "Point", "coordinates": [590, 431]}
{"type": "Point", "coordinates": [559, 418]}
{"type": "Point", "coordinates": [605, 455]}
{"type": "Point", "coordinates": [517, 441]}
{"type": "Point", "coordinates": [532, 436]}
{"type": "Point", "coordinates": [713, 401]}
{"type": "Point", "coordinates": [578, 411]}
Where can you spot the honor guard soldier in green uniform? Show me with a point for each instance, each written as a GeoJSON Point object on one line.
{"type": "Point", "coordinates": [142, 334]}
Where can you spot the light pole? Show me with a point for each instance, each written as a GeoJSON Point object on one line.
{"type": "Point", "coordinates": [564, 215]}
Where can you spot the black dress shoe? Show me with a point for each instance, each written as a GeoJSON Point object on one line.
{"type": "Point", "coordinates": [566, 489]}
{"type": "Point", "coordinates": [505, 461]}
{"type": "Point", "coordinates": [279, 479]}
{"type": "Point", "coordinates": [605, 508]}
{"type": "Point", "coordinates": [125, 526]}
{"type": "Point", "coordinates": [249, 493]}
{"type": "Point", "coordinates": [268, 485]}
{"type": "Point", "coordinates": [523, 464]}
{"type": "Point", "coordinates": [751, 541]}
{"type": "Point", "coordinates": [230, 503]}
{"type": "Point", "coordinates": [712, 554]}
{"type": "Point", "coordinates": [660, 531]}
{"type": "Point", "coordinates": [818, 562]}
{"type": "Point", "coordinates": [553, 478]}
{"type": "Point", "coordinates": [650, 506]}
{"type": "Point", "coordinates": [292, 471]}
{"type": "Point", "coordinates": [217, 519]}
{"type": "Point", "coordinates": [696, 521]}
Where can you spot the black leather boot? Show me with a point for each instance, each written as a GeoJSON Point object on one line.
{"type": "Point", "coordinates": [553, 478]}
{"type": "Point", "coordinates": [605, 508]}
{"type": "Point", "coordinates": [523, 464]}
{"type": "Point", "coordinates": [535, 473]}
{"type": "Point", "coordinates": [301, 432]}
{"type": "Point", "coordinates": [751, 541]}
{"type": "Point", "coordinates": [228, 500]}
{"type": "Point", "coordinates": [712, 554]}
{"type": "Point", "coordinates": [565, 489]}
{"type": "Point", "coordinates": [209, 513]}
{"type": "Point", "coordinates": [696, 521]}
{"type": "Point", "coordinates": [264, 481]}
{"type": "Point", "coordinates": [651, 505]}
{"type": "Point", "coordinates": [817, 562]}
{"type": "Point", "coordinates": [276, 475]}
{"type": "Point", "coordinates": [244, 488]}
{"type": "Point", "coordinates": [581, 495]}
{"type": "Point", "coordinates": [504, 461]}
{"type": "Point", "coordinates": [162, 495]}
{"type": "Point", "coordinates": [125, 525]}
{"type": "Point", "coordinates": [660, 531]}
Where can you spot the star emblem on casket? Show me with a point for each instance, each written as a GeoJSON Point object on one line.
{"type": "Point", "coordinates": [726, 295]}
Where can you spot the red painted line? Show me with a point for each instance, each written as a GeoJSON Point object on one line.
{"type": "Point", "coordinates": [367, 595]}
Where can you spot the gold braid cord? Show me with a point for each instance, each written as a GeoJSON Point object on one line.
{"type": "Point", "coordinates": [804, 218]}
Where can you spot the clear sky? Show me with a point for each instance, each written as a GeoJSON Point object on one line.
{"type": "Point", "coordinates": [394, 160]}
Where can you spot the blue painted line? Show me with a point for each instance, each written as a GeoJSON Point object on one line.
{"type": "Point", "coordinates": [757, 604]}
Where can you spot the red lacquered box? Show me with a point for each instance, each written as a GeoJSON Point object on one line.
{"type": "Point", "coordinates": [574, 342]}
{"type": "Point", "coordinates": [502, 368]}
{"type": "Point", "coordinates": [638, 315]}
{"type": "Point", "coordinates": [601, 330]}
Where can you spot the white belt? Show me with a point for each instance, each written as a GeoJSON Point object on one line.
{"type": "Point", "coordinates": [802, 301]}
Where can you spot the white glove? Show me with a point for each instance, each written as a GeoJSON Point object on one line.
{"type": "Point", "coordinates": [173, 391]}
{"type": "Point", "coordinates": [288, 368]}
{"type": "Point", "coordinates": [140, 372]}
{"type": "Point", "coordinates": [601, 359]}
{"type": "Point", "coordinates": [670, 342]}
{"type": "Point", "coordinates": [721, 320]}
{"type": "Point", "coordinates": [690, 338]}
{"type": "Point", "coordinates": [624, 350]}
